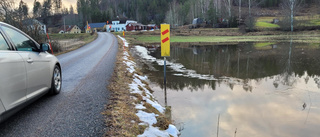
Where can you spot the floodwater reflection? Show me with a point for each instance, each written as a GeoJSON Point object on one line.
{"type": "Point", "coordinates": [263, 90]}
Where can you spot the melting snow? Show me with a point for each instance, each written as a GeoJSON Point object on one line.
{"type": "Point", "coordinates": [177, 67]}
{"type": "Point", "coordinates": [126, 44]}
{"type": "Point", "coordinates": [147, 119]}
{"type": "Point", "coordinates": [140, 106]}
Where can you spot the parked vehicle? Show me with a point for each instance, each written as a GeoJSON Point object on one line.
{"type": "Point", "coordinates": [197, 23]}
{"type": "Point", "coordinates": [27, 70]}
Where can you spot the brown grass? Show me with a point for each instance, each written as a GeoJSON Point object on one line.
{"type": "Point", "coordinates": [162, 122]}
{"type": "Point", "coordinates": [86, 41]}
{"type": "Point", "coordinates": [121, 118]}
{"type": "Point", "coordinates": [120, 111]}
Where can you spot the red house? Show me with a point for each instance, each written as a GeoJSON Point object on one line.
{"type": "Point", "coordinates": [152, 26]}
{"type": "Point", "coordinates": [135, 26]}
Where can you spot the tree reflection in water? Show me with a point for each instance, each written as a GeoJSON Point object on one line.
{"type": "Point", "coordinates": [240, 64]}
{"type": "Point", "coordinates": [260, 90]}
{"type": "Point", "coordinates": [288, 75]}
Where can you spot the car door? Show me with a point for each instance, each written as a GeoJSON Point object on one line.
{"type": "Point", "coordinates": [12, 77]}
{"type": "Point", "coordinates": [37, 63]}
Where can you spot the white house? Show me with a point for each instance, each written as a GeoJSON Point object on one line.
{"type": "Point", "coordinates": [119, 25]}
{"type": "Point", "coordinates": [33, 24]}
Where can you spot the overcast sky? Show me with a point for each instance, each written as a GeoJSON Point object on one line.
{"type": "Point", "coordinates": [65, 3]}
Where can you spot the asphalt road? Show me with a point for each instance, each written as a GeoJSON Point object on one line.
{"type": "Point", "coordinates": [76, 111]}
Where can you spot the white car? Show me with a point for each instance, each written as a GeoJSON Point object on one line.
{"type": "Point", "coordinates": [27, 70]}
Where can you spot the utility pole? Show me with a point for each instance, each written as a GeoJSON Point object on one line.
{"type": "Point", "coordinates": [64, 25]}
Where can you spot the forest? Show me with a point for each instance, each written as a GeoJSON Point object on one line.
{"type": "Point", "coordinates": [175, 12]}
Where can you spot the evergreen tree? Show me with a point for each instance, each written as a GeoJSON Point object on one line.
{"type": "Point", "coordinates": [23, 10]}
{"type": "Point", "coordinates": [211, 14]}
{"type": "Point", "coordinates": [36, 9]}
{"type": "Point", "coordinates": [46, 10]}
{"type": "Point", "coordinates": [71, 10]}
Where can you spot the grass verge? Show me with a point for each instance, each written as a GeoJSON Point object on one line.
{"type": "Point", "coordinates": [85, 37]}
{"type": "Point", "coordinates": [301, 38]}
{"type": "Point", "coordinates": [69, 36]}
{"type": "Point", "coordinates": [121, 118]}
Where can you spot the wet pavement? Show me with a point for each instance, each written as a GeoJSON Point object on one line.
{"type": "Point", "coordinates": [245, 89]}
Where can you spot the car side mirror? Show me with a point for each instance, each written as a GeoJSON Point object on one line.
{"type": "Point", "coordinates": [44, 47]}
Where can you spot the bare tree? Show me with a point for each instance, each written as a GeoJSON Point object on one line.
{"type": "Point", "coordinates": [290, 8]}
{"type": "Point", "coordinates": [250, 21]}
{"type": "Point", "coordinates": [253, 3]}
{"type": "Point", "coordinates": [172, 14]}
{"type": "Point", "coordinates": [227, 5]}
{"type": "Point", "coordinates": [240, 4]}
{"type": "Point", "coordinates": [7, 12]}
{"type": "Point", "coordinates": [227, 11]}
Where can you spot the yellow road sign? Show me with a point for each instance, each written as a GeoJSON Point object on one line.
{"type": "Point", "coordinates": [165, 40]}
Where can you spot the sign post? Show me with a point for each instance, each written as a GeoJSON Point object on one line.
{"type": "Point", "coordinates": [165, 40]}
{"type": "Point", "coordinates": [165, 50]}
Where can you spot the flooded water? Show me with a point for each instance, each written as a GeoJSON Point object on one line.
{"type": "Point", "coordinates": [242, 90]}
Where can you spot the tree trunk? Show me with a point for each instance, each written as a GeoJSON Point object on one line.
{"type": "Point", "coordinates": [249, 8]}
{"type": "Point", "coordinates": [239, 10]}
{"type": "Point", "coordinates": [291, 8]}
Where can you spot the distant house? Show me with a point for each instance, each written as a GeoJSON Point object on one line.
{"type": "Point", "coordinates": [152, 26]}
{"type": "Point", "coordinates": [69, 29]}
{"type": "Point", "coordinates": [134, 27]}
{"type": "Point", "coordinates": [120, 25]}
{"type": "Point", "coordinates": [95, 26]}
{"type": "Point", "coordinates": [33, 24]}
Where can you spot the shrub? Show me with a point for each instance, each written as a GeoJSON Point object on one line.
{"type": "Point", "coordinates": [56, 47]}
{"type": "Point", "coordinates": [250, 23]}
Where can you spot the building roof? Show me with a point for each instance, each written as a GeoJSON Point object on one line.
{"type": "Point", "coordinates": [123, 20]}
{"type": "Point", "coordinates": [135, 24]}
{"type": "Point", "coordinates": [29, 22]}
{"type": "Point", "coordinates": [96, 25]}
{"type": "Point", "coordinates": [68, 27]}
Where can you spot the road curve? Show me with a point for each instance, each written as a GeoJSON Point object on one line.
{"type": "Point", "coordinates": [76, 111]}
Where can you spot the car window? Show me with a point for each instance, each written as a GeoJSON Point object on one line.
{"type": "Point", "coordinates": [22, 42]}
{"type": "Point", "coordinates": [3, 43]}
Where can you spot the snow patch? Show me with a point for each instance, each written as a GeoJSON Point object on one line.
{"type": "Point", "coordinates": [173, 131]}
{"type": "Point", "coordinates": [156, 105]}
{"type": "Point", "coordinates": [148, 119]}
{"type": "Point", "coordinates": [126, 44]}
{"type": "Point", "coordinates": [140, 106]}
{"type": "Point", "coordinates": [130, 66]}
{"type": "Point", "coordinates": [141, 77]}
{"type": "Point", "coordinates": [177, 67]}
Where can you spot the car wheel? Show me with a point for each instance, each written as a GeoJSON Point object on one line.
{"type": "Point", "coordinates": [56, 81]}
